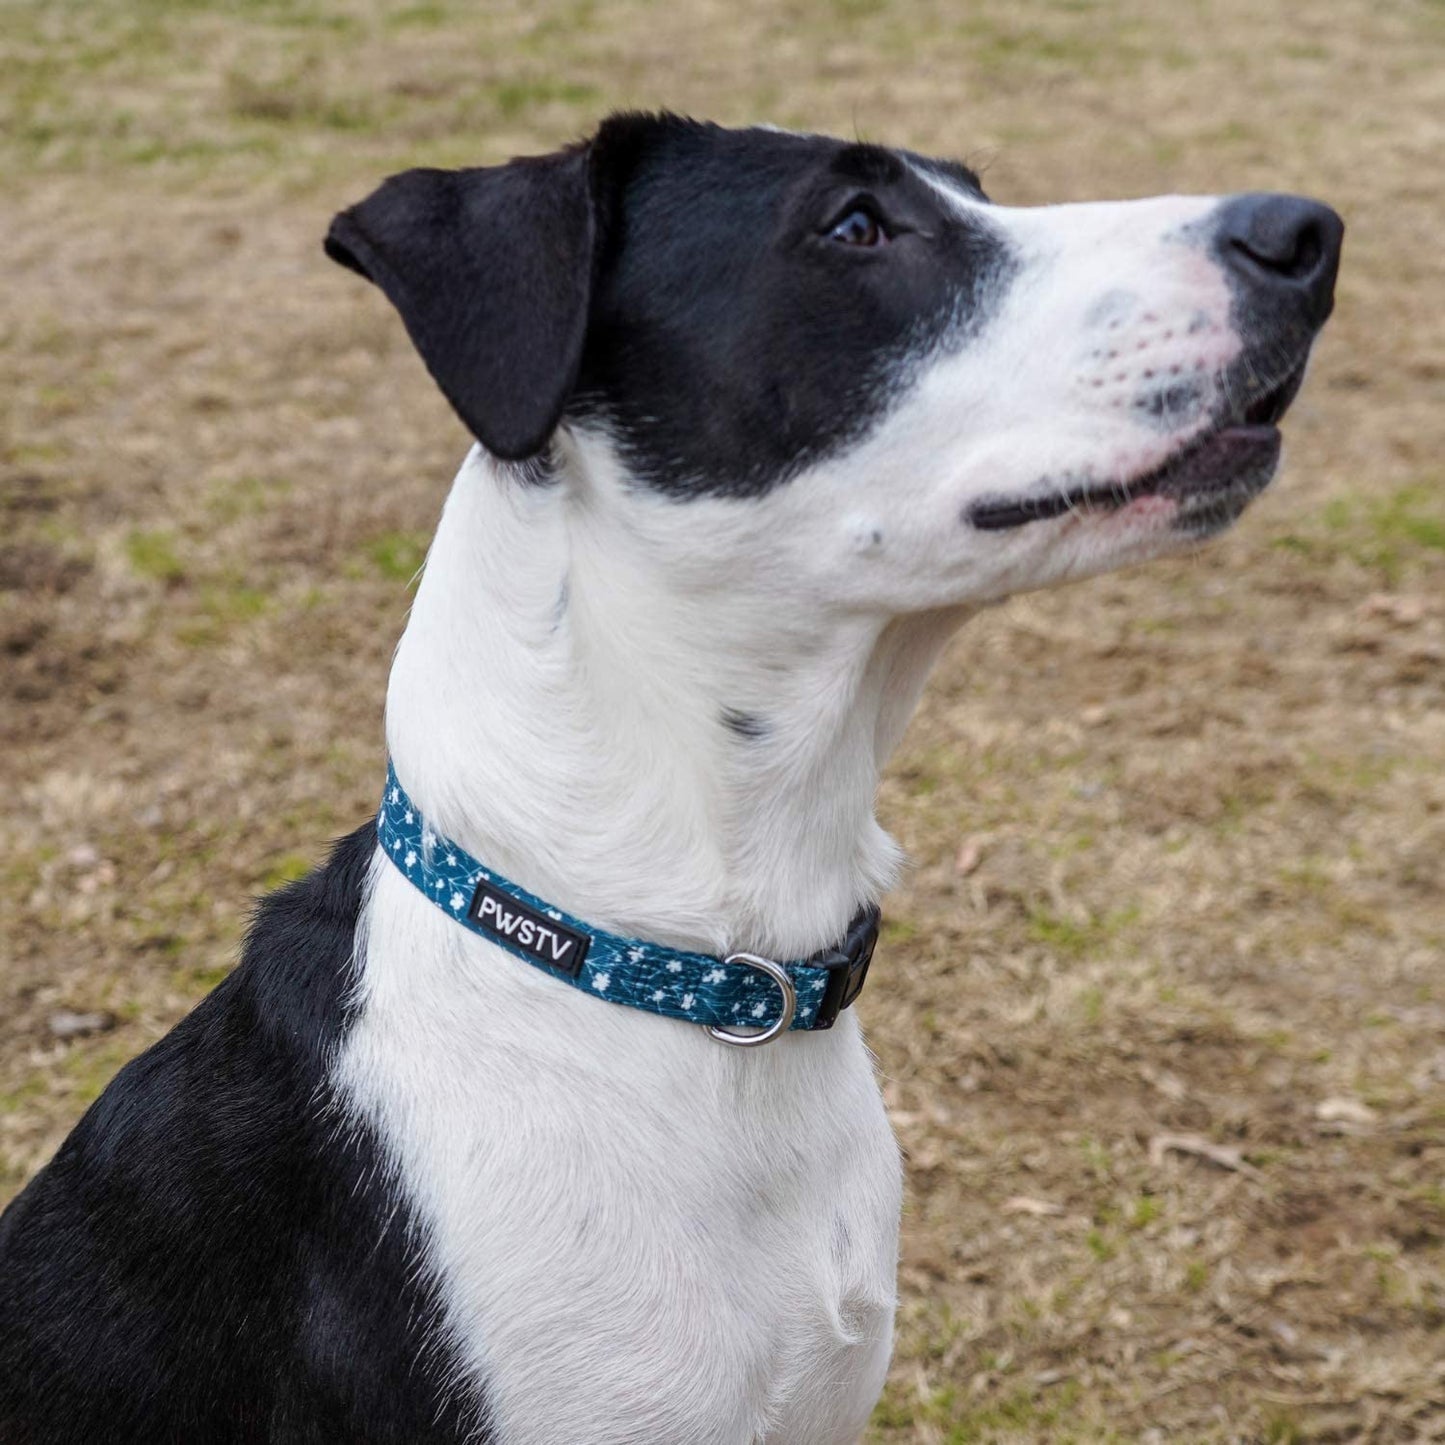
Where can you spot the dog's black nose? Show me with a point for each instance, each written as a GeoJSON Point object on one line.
{"type": "Point", "coordinates": [1283, 247]}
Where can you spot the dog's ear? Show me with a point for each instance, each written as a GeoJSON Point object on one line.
{"type": "Point", "coordinates": [491, 270]}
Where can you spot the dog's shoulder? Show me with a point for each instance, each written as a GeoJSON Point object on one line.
{"type": "Point", "coordinates": [191, 1252]}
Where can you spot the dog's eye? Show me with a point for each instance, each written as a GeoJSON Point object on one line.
{"type": "Point", "coordinates": [859, 227]}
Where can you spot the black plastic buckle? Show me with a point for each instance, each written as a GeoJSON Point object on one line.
{"type": "Point", "coordinates": [847, 966]}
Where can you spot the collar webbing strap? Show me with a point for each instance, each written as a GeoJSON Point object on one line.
{"type": "Point", "coordinates": [697, 987]}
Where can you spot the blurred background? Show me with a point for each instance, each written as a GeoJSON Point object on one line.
{"type": "Point", "coordinates": [1160, 1005]}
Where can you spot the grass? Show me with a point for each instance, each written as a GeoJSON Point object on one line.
{"type": "Point", "coordinates": [398, 556]}
{"type": "Point", "coordinates": [1079, 938]}
{"type": "Point", "coordinates": [515, 98]}
{"type": "Point", "coordinates": [88, 1068]}
{"type": "Point", "coordinates": [1393, 535]}
{"type": "Point", "coordinates": [298, 97]}
{"type": "Point", "coordinates": [954, 1417]}
{"type": "Point", "coordinates": [285, 869]}
{"type": "Point", "coordinates": [153, 555]}
{"type": "Point", "coordinates": [1203, 798]}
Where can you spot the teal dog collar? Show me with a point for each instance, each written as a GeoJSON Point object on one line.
{"type": "Point", "coordinates": [741, 991]}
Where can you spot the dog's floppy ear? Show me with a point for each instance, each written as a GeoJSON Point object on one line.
{"type": "Point", "coordinates": [491, 270]}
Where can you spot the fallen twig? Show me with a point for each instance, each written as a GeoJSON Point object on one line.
{"type": "Point", "coordinates": [1222, 1156]}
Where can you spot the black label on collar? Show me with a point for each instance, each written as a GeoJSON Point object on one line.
{"type": "Point", "coordinates": [544, 939]}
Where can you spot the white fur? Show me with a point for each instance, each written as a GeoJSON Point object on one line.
{"type": "Point", "coordinates": [642, 1235]}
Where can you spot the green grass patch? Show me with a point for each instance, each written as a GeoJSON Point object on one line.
{"type": "Point", "coordinates": [1413, 514]}
{"type": "Point", "coordinates": [90, 1070]}
{"type": "Point", "coordinates": [1389, 534]}
{"type": "Point", "coordinates": [515, 98]}
{"type": "Point", "coordinates": [418, 17]}
{"type": "Point", "coordinates": [1075, 38]}
{"type": "Point", "coordinates": [1146, 1210]}
{"type": "Point", "coordinates": [228, 604]}
{"type": "Point", "coordinates": [1076, 938]}
{"type": "Point", "coordinates": [1096, 1159]}
{"type": "Point", "coordinates": [898, 930]}
{"type": "Point", "coordinates": [248, 496]}
{"type": "Point", "coordinates": [398, 556]}
{"type": "Point", "coordinates": [223, 607]}
{"type": "Point", "coordinates": [563, 23]}
{"type": "Point", "coordinates": [1281, 1428]}
{"type": "Point", "coordinates": [300, 98]}
{"type": "Point", "coordinates": [285, 869]}
{"type": "Point", "coordinates": [154, 555]}
{"type": "Point", "coordinates": [956, 1418]}
{"type": "Point", "coordinates": [201, 979]}
{"type": "Point", "coordinates": [17, 1098]}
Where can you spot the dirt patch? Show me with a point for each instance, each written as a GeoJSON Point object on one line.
{"type": "Point", "coordinates": [1160, 1006]}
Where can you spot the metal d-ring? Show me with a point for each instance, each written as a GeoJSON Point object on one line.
{"type": "Point", "coordinates": [779, 976]}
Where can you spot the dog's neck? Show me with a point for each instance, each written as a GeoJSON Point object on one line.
{"type": "Point", "coordinates": [604, 696]}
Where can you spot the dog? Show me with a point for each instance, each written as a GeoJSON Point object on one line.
{"type": "Point", "coordinates": [538, 1114]}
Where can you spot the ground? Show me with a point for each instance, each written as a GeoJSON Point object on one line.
{"type": "Point", "coordinates": [1160, 1005]}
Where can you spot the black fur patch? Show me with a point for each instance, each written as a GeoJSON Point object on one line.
{"type": "Point", "coordinates": [732, 342]}
{"type": "Point", "coordinates": [216, 1253]}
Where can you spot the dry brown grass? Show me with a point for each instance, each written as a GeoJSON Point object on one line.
{"type": "Point", "coordinates": [1178, 834]}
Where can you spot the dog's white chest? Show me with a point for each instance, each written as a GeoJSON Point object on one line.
{"type": "Point", "coordinates": [639, 1235]}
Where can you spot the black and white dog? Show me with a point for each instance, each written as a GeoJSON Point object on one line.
{"type": "Point", "coordinates": [762, 417]}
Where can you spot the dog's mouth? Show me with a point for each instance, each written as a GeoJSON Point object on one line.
{"type": "Point", "coordinates": [1212, 477]}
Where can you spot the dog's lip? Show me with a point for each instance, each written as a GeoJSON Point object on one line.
{"type": "Point", "coordinates": [1231, 458]}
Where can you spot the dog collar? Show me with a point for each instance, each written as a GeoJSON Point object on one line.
{"type": "Point", "coordinates": [742, 990]}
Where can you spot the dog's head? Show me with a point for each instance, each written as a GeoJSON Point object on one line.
{"type": "Point", "coordinates": [916, 398]}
